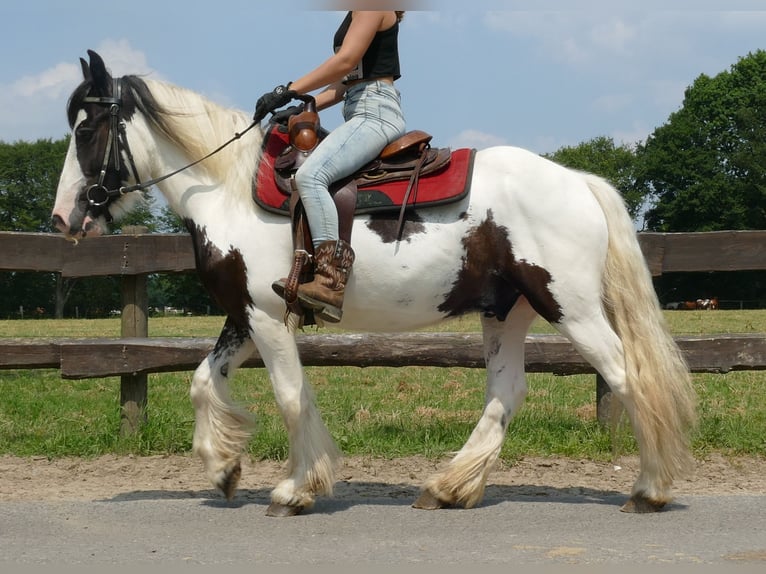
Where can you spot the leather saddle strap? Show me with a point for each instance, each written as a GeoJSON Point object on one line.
{"type": "Point", "coordinates": [413, 185]}
{"type": "Point", "coordinates": [300, 255]}
{"type": "Point", "coordinates": [300, 258]}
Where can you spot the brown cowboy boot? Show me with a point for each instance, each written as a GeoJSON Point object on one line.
{"type": "Point", "coordinates": [324, 294]}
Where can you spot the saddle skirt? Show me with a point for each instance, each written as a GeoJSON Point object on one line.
{"type": "Point", "coordinates": [381, 186]}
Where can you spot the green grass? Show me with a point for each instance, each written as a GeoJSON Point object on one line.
{"type": "Point", "coordinates": [370, 411]}
{"type": "Point", "coordinates": [681, 322]}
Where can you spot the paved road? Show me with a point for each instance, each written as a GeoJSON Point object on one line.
{"type": "Point", "coordinates": [145, 528]}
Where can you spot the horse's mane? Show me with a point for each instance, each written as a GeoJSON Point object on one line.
{"type": "Point", "coordinates": [188, 120]}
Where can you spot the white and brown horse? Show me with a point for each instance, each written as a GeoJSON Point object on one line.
{"type": "Point", "coordinates": [532, 238]}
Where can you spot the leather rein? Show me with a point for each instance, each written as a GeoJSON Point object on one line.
{"type": "Point", "coordinates": [96, 194]}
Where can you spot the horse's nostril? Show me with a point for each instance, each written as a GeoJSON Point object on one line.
{"type": "Point", "coordinates": [57, 221]}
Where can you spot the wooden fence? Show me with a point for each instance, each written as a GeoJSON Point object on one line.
{"type": "Point", "coordinates": [134, 355]}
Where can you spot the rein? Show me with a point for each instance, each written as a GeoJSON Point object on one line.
{"type": "Point", "coordinates": [97, 194]}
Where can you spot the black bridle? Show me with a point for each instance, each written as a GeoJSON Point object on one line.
{"type": "Point", "coordinates": [97, 195]}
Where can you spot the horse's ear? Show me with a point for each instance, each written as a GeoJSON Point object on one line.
{"type": "Point", "coordinates": [85, 70]}
{"type": "Point", "coordinates": [102, 80]}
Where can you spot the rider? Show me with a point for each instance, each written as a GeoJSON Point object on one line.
{"type": "Point", "coordinates": [361, 72]}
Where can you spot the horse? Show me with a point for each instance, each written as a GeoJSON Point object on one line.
{"type": "Point", "coordinates": [531, 238]}
{"type": "Point", "coordinates": [697, 305]}
{"type": "Point", "coordinates": [707, 304]}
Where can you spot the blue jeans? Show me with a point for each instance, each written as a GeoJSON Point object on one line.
{"type": "Point", "coordinates": [374, 119]}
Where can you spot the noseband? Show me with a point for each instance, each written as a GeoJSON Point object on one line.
{"type": "Point", "coordinates": [97, 195]}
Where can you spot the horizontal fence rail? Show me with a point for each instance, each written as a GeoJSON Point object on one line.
{"type": "Point", "coordinates": [90, 358]}
{"type": "Point", "coordinates": [157, 253]}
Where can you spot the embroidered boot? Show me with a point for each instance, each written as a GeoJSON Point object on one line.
{"type": "Point", "coordinates": [324, 294]}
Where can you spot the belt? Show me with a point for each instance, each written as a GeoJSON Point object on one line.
{"type": "Point", "coordinates": [387, 79]}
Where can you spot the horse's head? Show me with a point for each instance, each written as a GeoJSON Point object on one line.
{"type": "Point", "coordinates": [95, 170]}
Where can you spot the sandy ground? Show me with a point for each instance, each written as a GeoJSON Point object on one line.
{"type": "Point", "coordinates": [182, 476]}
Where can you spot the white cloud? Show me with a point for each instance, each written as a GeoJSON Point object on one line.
{"type": "Point", "coordinates": [476, 139]}
{"type": "Point", "coordinates": [33, 106]}
{"type": "Point", "coordinates": [121, 58]}
{"type": "Point", "coordinates": [612, 6]}
{"type": "Point", "coordinates": [50, 84]}
{"type": "Point", "coordinates": [574, 37]}
{"type": "Point", "coordinates": [615, 34]}
{"type": "Point", "coordinates": [612, 103]}
{"type": "Point", "coordinates": [616, 40]}
{"type": "Point", "coordinates": [744, 20]}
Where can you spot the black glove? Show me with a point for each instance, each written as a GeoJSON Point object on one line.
{"type": "Point", "coordinates": [282, 116]}
{"type": "Point", "coordinates": [270, 101]}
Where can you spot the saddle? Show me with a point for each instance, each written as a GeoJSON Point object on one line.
{"type": "Point", "coordinates": [390, 183]}
{"type": "Point", "coordinates": [385, 185]}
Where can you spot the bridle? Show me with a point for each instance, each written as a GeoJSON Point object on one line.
{"type": "Point", "coordinates": [97, 195]}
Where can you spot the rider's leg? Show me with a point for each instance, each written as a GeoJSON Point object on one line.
{"type": "Point", "coordinates": [373, 120]}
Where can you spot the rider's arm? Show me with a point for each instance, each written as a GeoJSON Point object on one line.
{"type": "Point", "coordinates": [364, 26]}
{"type": "Point", "coordinates": [331, 95]}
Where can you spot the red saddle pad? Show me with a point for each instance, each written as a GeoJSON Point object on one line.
{"type": "Point", "coordinates": [449, 184]}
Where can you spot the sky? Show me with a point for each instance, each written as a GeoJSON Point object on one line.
{"type": "Point", "coordinates": [538, 74]}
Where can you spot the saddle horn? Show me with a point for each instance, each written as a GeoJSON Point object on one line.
{"type": "Point", "coordinates": [304, 127]}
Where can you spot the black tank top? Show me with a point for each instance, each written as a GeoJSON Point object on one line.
{"type": "Point", "coordinates": [381, 58]}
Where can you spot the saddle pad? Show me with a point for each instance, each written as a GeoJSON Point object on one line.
{"type": "Point", "coordinates": [451, 183]}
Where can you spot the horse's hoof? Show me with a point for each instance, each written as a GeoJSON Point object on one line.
{"type": "Point", "coordinates": [429, 501]}
{"type": "Point", "coordinates": [230, 481]}
{"type": "Point", "coordinates": [283, 510]}
{"type": "Point", "coordinates": [639, 504]}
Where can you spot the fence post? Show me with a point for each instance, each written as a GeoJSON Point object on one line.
{"type": "Point", "coordinates": [603, 401]}
{"type": "Point", "coordinates": [135, 323]}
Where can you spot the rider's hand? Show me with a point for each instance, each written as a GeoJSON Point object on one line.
{"type": "Point", "coordinates": [282, 116]}
{"type": "Point", "coordinates": [270, 101]}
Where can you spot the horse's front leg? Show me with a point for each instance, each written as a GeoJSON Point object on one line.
{"type": "Point", "coordinates": [221, 429]}
{"type": "Point", "coordinates": [313, 455]}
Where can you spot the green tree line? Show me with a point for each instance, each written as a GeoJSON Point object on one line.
{"type": "Point", "coordinates": [29, 173]}
{"type": "Point", "coordinates": [704, 169]}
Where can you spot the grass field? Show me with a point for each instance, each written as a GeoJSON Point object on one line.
{"type": "Point", "coordinates": [372, 411]}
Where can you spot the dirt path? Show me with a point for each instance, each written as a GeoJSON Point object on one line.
{"type": "Point", "coordinates": [108, 476]}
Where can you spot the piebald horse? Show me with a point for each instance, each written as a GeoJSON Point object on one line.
{"type": "Point", "coordinates": [532, 238]}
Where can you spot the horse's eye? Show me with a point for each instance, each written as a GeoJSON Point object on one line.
{"type": "Point", "coordinates": [83, 132]}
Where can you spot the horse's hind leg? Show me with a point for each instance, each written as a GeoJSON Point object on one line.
{"type": "Point", "coordinates": [221, 428]}
{"type": "Point", "coordinates": [598, 343]}
{"type": "Point", "coordinates": [462, 482]}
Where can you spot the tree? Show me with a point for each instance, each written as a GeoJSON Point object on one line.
{"type": "Point", "coordinates": [706, 167]}
{"type": "Point", "coordinates": [29, 173]}
{"type": "Point", "coordinates": [705, 170]}
{"type": "Point", "coordinates": [142, 215]}
{"type": "Point", "coordinates": [614, 163]}
{"type": "Point", "coordinates": [180, 290]}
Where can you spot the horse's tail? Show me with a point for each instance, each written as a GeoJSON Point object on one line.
{"type": "Point", "coordinates": [658, 381]}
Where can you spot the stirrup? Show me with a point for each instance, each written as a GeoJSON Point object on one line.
{"type": "Point", "coordinates": [279, 287]}
{"type": "Point", "coordinates": [322, 310]}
